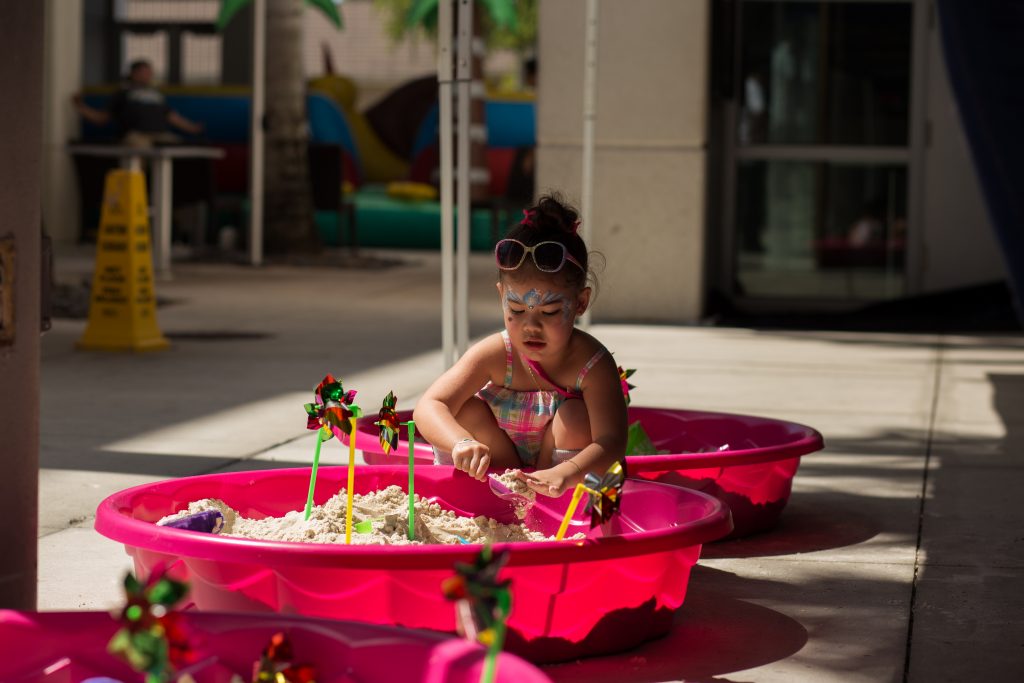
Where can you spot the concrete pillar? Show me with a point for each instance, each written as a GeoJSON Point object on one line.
{"type": "Point", "coordinates": [62, 77]}
{"type": "Point", "coordinates": [21, 75]}
{"type": "Point", "coordinates": [648, 216]}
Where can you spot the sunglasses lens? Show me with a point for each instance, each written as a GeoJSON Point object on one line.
{"type": "Point", "coordinates": [549, 256]}
{"type": "Point", "coordinates": [509, 254]}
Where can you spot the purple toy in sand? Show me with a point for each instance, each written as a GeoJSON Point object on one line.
{"type": "Point", "coordinates": [207, 521]}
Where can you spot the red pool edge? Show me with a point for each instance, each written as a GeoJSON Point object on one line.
{"type": "Point", "coordinates": [111, 521]}
{"type": "Point", "coordinates": [619, 626]}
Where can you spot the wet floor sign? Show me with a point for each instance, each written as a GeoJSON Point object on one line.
{"type": "Point", "coordinates": [122, 311]}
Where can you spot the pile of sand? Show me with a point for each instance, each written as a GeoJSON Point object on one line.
{"type": "Point", "coordinates": [388, 512]}
{"type": "Point", "coordinates": [526, 496]}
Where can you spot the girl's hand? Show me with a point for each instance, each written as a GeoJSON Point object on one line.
{"type": "Point", "coordinates": [472, 457]}
{"type": "Point", "coordinates": [550, 482]}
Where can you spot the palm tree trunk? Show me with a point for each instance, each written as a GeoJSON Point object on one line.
{"type": "Point", "coordinates": [288, 201]}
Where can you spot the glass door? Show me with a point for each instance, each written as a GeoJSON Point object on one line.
{"type": "Point", "coordinates": [818, 151]}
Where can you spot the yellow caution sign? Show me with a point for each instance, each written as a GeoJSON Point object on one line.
{"type": "Point", "coordinates": [122, 312]}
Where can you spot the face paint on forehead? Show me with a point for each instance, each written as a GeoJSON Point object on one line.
{"type": "Point", "coordinates": [535, 298]}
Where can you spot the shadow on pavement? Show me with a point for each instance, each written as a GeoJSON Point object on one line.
{"type": "Point", "coordinates": [811, 521]}
{"type": "Point", "coordinates": [715, 633]}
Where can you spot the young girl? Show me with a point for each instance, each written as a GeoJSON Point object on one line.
{"type": "Point", "coordinates": [541, 393]}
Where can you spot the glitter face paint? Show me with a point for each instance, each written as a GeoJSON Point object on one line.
{"type": "Point", "coordinates": [534, 298]}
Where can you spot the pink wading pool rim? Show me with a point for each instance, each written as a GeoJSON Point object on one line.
{"type": "Point", "coordinates": [601, 595]}
{"type": "Point", "coordinates": [745, 461]}
{"type": "Point", "coordinates": [72, 646]}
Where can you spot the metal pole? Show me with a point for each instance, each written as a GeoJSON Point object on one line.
{"type": "Point", "coordinates": [163, 170]}
{"type": "Point", "coordinates": [256, 113]}
{"type": "Point", "coordinates": [444, 81]}
{"type": "Point", "coordinates": [463, 76]}
{"type": "Point", "coordinates": [589, 119]}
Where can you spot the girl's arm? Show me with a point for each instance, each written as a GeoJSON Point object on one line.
{"type": "Point", "coordinates": [606, 409]}
{"type": "Point", "coordinates": [436, 410]}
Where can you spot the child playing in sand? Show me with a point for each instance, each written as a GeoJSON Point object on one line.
{"type": "Point", "coordinates": [541, 393]}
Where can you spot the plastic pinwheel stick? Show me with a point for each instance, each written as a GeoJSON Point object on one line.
{"type": "Point", "coordinates": [412, 465]}
{"type": "Point", "coordinates": [571, 510]}
{"type": "Point", "coordinates": [312, 475]}
{"type": "Point", "coordinates": [351, 480]}
{"type": "Point", "coordinates": [498, 642]}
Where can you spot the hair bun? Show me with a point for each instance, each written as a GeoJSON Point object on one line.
{"type": "Point", "coordinates": [552, 213]}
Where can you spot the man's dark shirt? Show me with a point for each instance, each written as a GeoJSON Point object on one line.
{"type": "Point", "coordinates": [139, 108]}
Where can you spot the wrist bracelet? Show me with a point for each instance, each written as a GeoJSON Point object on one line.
{"type": "Point", "coordinates": [578, 468]}
{"type": "Point", "coordinates": [467, 440]}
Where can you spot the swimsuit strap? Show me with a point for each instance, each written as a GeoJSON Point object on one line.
{"type": "Point", "coordinates": [586, 368]}
{"type": "Point", "coordinates": [508, 359]}
{"type": "Point", "coordinates": [539, 371]}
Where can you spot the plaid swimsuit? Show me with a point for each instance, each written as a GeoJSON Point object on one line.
{"type": "Point", "coordinates": [524, 415]}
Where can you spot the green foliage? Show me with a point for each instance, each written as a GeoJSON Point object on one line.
{"type": "Point", "coordinates": [638, 442]}
{"type": "Point", "coordinates": [509, 24]}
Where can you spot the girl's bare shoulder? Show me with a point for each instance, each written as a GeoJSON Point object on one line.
{"type": "Point", "coordinates": [489, 353]}
{"type": "Point", "coordinates": [585, 345]}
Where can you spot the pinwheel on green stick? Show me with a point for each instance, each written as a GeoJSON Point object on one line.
{"type": "Point", "coordinates": [482, 604]}
{"type": "Point", "coordinates": [332, 408]}
{"type": "Point", "coordinates": [152, 637]}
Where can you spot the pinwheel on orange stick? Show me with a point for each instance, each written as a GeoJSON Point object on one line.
{"type": "Point", "coordinates": [604, 496]}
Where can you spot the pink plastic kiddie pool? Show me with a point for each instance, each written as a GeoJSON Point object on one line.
{"type": "Point", "coordinates": [570, 599]}
{"type": "Point", "coordinates": [47, 647]}
{"type": "Point", "coordinates": [746, 462]}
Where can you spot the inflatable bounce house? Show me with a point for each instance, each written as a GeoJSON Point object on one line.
{"type": "Point", "coordinates": [389, 158]}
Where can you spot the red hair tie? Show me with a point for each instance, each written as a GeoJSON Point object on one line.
{"type": "Point", "coordinates": [527, 218]}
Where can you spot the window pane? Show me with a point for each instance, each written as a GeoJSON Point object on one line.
{"type": "Point", "coordinates": [825, 73]}
{"type": "Point", "coordinates": [149, 46]}
{"type": "Point", "coordinates": [200, 56]}
{"type": "Point", "coordinates": [163, 11]}
{"type": "Point", "coordinates": [820, 230]}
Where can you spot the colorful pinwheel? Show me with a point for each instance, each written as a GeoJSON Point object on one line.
{"type": "Point", "coordinates": [387, 421]}
{"type": "Point", "coordinates": [603, 497]}
{"type": "Point", "coordinates": [604, 494]}
{"type": "Point", "coordinates": [477, 586]}
{"type": "Point", "coordinates": [626, 386]}
{"type": "Point", "coordinates": [276, 665]}
{"type": "Point", "coordinates": [151, 638]}
{"type": "Point", "coordinates": [333, 408]}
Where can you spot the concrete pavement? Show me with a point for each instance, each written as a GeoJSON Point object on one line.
{"type": "Point", "coordinates": [899, 557]}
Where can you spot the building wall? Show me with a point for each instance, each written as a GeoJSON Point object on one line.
{"type": "Point", "coordinates": [960, 246]}
{"type": "Point", "coordinates": [650, 150]}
